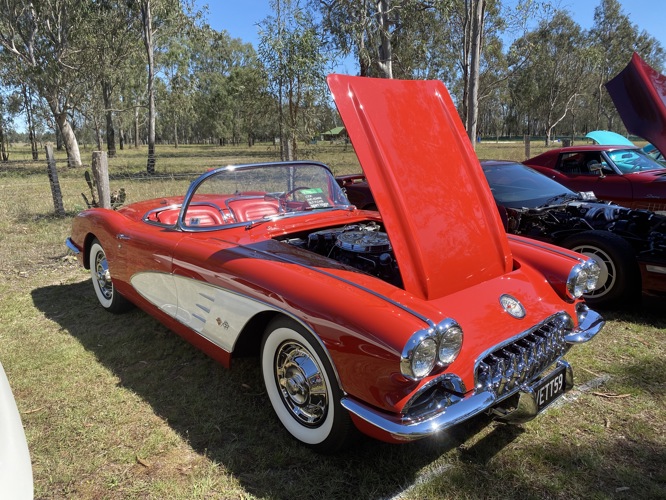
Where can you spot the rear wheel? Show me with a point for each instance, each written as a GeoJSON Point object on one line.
{"type": "Point", "coordinates": [302, 387]}
{"type": "Point", "coordinates": [619, 280]}
{"type": "Point", "coordinates": [106, 293]}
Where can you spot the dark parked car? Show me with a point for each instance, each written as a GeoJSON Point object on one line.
{"type": "Point", "coordinates": [629, 245]}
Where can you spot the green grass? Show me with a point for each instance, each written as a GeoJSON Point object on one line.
{"type": "Point", "coordinates": [120, 407]}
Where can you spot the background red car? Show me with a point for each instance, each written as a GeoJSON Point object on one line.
{"type": "Point", "coordinates": [623, 174]}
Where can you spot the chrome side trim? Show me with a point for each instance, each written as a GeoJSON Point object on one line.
{"type": "Point", "coordinates": [408, 431]}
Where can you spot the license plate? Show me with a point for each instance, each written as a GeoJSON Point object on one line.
{"type": "Point", "coordinates": [550, 388]}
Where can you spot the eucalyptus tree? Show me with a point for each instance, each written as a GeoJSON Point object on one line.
{"type": "Point", "coordinates": [111, 58]}
{"type": "Point", "coordinates": [249, 99]}
{"type": "Point", "coordinates": [10, 103]}
{"type": "Point", "coordinates": [215, 56]}
{"type": "Point", "coordinates": [553, 80]}
{"type": "Point", "coordinates": [614, 38]}
{"type": "Point", "coordinates": [176, 104]}
{"type": "Point", "coordinates": [366, 30]}
{"type": "Point", "coordinates": [43, 40]}
{"type": "Point", "coordinates": [292, 52]}
{"type": "Point", "coordinates": [160, 19]}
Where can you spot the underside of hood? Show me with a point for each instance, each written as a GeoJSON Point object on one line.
{"type": "Point", "coordinates": [639, 94]}
{"type": "Point", "coordinates": [426, 181]}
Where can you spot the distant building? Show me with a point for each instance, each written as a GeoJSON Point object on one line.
{"type": "Point", "coordinates": [335, 134]}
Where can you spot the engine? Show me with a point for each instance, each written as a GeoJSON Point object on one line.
{"type": "Point", "coordinates": [362, 246]}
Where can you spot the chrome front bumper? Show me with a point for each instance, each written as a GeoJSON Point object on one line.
{"type": "Point", "coordinates": [590, 323]}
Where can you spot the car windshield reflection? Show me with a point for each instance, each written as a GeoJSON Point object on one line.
{"type": "Point", "coordinates": [517, 186]}
{"type": "Point", "coordinates": [633, 160]}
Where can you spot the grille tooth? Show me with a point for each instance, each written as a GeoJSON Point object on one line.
{"type": "Point", "coordinates": [507, 367]}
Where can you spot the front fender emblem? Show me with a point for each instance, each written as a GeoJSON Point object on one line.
{"type": "Point", "coordinates": [512, 306]}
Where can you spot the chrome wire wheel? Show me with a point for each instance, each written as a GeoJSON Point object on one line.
{"type": "Point", "coordinates": [301, 383]}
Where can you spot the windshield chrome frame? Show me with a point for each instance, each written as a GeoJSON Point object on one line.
{"type": "Point", "coordinates": [194, 186]}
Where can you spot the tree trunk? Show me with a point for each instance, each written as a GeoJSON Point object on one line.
{"type": "Point", "coordinates": [98, 135]}
{"type": "Point", "coordinates": [385, 49]}
{"type": "Point", "coordinates": [27, 99]}
{"type": "Point", "coordinates": [136, 127]}
{"type": "Point", "coordinates": [3, 143]}
{"type": "Point", "coordinates": [110, 133]}
{"type": "Point", "coordinates": [175, 134]}
{"type": "Point", "coordinates": [67, 134]}
{"type": "Point", "coordinates": [475, 61]}
{"type": "Point", "coordinates": [147, 21]}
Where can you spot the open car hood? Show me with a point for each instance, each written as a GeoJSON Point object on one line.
{"type": "Point", "coordinates": [606, 137]}
{"type": "Point", "coordinates": [426, 181]}
{"type": "Point", "coordinates": [639, 94]}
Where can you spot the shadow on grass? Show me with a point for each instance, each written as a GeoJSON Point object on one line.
{"type": "Point", "coordinates": [226, 416]}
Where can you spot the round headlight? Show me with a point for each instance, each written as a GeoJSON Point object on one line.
{"type": "Point", "coordinates": [593, 271]}
{"type": "Point", "coordinates": [583, 278]}
{"type": "Point", "coordinates": [577, 281]}
{"type": "Point", "coordinates": [450, 343]}
{"type": "Point", "coordinates": [424, 357]}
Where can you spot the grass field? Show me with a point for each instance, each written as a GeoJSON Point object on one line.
{"type": "Point", "coordinates": [119, 407]}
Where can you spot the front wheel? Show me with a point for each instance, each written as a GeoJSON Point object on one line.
{"type": "Point", "coordinates": [106, 293]}
{"type": "Point", "coordinates": [619, 280]}
{"type": "Point", "coordinates": [302, 387]}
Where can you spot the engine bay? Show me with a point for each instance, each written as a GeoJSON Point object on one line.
{"type": "Point", "coordinates": [644, 230]}
{"type": "Point", "coordinates": [363, 246]}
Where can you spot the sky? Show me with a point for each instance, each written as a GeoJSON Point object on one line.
{"type": "Point", "coordinates": [240, 18]}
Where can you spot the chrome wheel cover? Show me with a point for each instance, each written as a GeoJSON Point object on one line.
{"type": "Point", "coordinates": [301, 384]}
{"type": "Point", "coordinates": [103, 276]}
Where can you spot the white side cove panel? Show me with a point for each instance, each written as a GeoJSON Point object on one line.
{"type": "Point", "coordinates": [217, 314]}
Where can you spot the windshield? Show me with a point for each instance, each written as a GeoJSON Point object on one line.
{"type": "Point", "coordinates": [633, 160]}
{"type": "Point", "coordinates": [250, 193]}
{"type": "Point", "coordinates": [517, 186]}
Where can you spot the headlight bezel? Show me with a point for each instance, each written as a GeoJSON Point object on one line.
{"type": "Point", "coordinates": [583, 278]}
{"type": "Point", "coordinates": [447, 335]}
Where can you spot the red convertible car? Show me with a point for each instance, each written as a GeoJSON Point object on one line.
{"type": "Point", "coordinates": [623, 174]}
{"type": "Point", "coordinates": [398, 323]}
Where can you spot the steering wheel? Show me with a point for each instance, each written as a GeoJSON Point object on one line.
{"type": "Point", "coordinates": [282, 198]}
{"type": "Point", "coordinates": [286, 195]}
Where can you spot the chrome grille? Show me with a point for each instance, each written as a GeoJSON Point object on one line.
{"type": "Point", "coordinates": [522, 359]}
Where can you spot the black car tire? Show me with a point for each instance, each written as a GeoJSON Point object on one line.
{"type": "Point", "coordinates": [291, 360]}
{"type": "Point", "coordinates": [106, 292]}
{"type": "Point", "coordinates": [619, 267]}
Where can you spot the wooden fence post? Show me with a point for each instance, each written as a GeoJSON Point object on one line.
{"type": "Point", "coordinates": [100, 169]}
{"type": "Point", "coordinates": [53, 181]}
{"type": "Point", "coordinates": [526, 140]}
